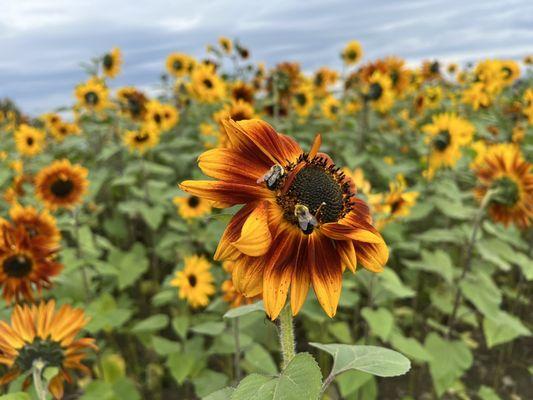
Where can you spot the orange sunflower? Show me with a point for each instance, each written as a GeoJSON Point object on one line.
{"type": "Point", "coordinates": [40, 226]}
{"type": "Point", "coordinates": [61, 184]}
{"type": "Point", "coordinates": [40, 332]}
{"type": "Point", "coordinates": [301, 223]}
{"type": "Point", "coordinates": [25, 263]}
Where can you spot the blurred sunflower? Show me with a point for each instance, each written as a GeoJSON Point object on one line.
{"type": "Point", "coordinates": [433, 97]}
{"type": "Point", "coordinates": [206, 85]}
{"type": "Point", "coordinates": [379, 93]}
{"type": "Point", "coordinates": [505, 172]}
{"type": "Point", "coordinates": [195, 282]}
{"type": "Point", "coordinates": [92, 95]}
{"type": "Point", "coordinates": [111, 63]}
{"type": "Point", "coordinates": [477, 96]}
{"type": "Point", "coordinates": [242, 91]}
{"type": "Point", "coordinates": [63, 129]}
{"type": "Point", "coordinates": [40, 332]}
{"type": "Point", "coordinates": [303, 100]}
{"type": "Point", "coordinates": [143, 139]}
{"type": "Point", "coordinates": [192, 206]}
{"type": "Point", "coordinates": [179, 64]}
{"type": "Point", "coordinates": [226, 44]}
{"type": "Point", "coordinates": [40, 226]}
{"type": "Point", "coordinates": [50, 120]}
{"type": "Point", "coordinates": [358, 178]}
{"type": "Point", "coordinates": [323, 79]}
{"type": "Point", "coordinates": [26, 263]}
{"type": "Point", "coordinates": [238, 110]}
{"type": "Point", "coordinates": [445, 136]}
{"type": "Point", "coordinates": [29, 140]}
{"type": "Point", "coordinates": [61, 184]}
{"type": "Point", "coordinates": [132, 103]}
{"type": "Point", "coordinates": [301, 223]}
{"type": "Point", "coordinates": [430, 70]}
{"type": "Point", "coordinates": [510, 71]}
{"type": "Point", "coordinates": [331, 108]}
{"type": "Point", "coordinates": [399, 75]}
{"type": "Point", "coordinates": [162, 116]}
{"type": "Point", "coordinates": [352, 53]}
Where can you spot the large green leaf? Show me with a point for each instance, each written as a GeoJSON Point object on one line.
{"type": "Point", "coordinates": [151, 324]}
{"type": "Point", "coordinates": [375, 360]}
{"type": "Point", "coordinates": [503, 327]}
{"type": "Point", "coordinates": [380, 321]}
{"type": "Point", "coordinates": [437, 262]}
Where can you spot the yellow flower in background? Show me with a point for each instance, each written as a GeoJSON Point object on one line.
{"type": "Point", "coordinates": [195, 282]}
{"type": "Point", "coordinates": [323, 79]}
{"type": "Point", "coordinates": [379, 93]}
{"type": "Point", "coordinates": [237, 110]}
{"type": "Point", "coordinates": [51, 120]}
{"type": "Point", "coordinates": [445, 136]}
{"type": "Point", "coordinates": [30, 141]}
{"type": "Point", "coordinates": [477, 96]}
{"type": "Point", "coordinates": [143, 139]}
{"type": "Point", "coordinates": [192, 206]}
{"type": "Point", "coordinates": [161, 116]}
{"type": "Point", "coordinates": [303, 100]}
{"type": "Point", "coordinates": [331, 108]}
{"type": "Point", "coordinates": [63, 129]}
{"type": "Point", "coordinates": [358, 178]}
{"type": "Point", "coordinates": [40, 331]}
{"type": "Point", "coordinates": [430, 70]}
{"type": "Point", "coordinates": [528, 105]}
{"type": "Point", "coordinates": [433, 96]}
{"type": "Point", "coordinates": [242, 91]}
{"type": "Point", "coordinates": [39, 225]}
{"type": "Point", "coordinates": [206, 85]}
{"type": "Point", "coordinates": [111, 63]}
{"type": "Point", "coordinates": [452, 68]}
{"type": "Point", "coordinates": [505, 172]}
{"type": "Point", "coordinates": [352, 53]}
{"type": "Point", "coordinates": [132, 103]}
{"type": "Point", "coordinates": [61, 184]}
{"type": "Point", "coordinates": [510, 71]}
{"type": "Point", "coordinates": [226, 44]}
{"type": "Point", "coordinates": [92, 95]}
{"type": "Point", "coordinates": [179, 64]}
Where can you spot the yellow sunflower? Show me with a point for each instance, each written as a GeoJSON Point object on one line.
{"type": "Point", "coordinates": [433, 96]}
{"type": "Point", "coordinates": [63, 129]}
{"type": "Point", "coordinates": [242, 91]}
{"type": "Point", "coordinates": [179, 64]}
{"type": "Point", "coordinates": [26, 263]}
{"type": "Point", "coordinates": [510, 71]}
{"type": "Point", "coordinates": [30, 141]}
{"type": "Point", "coordinates": [206, 85]}
{"type": "Point", "coordinates": [358, 178]}
{"type": "Point", "coordinates": [192, 206]}
{"type": "Point", "coordinates": [226, 44]}
{"type": "Point", "coordinates": [301, 223]}
{"type": "Point", "coordinates": [352, 53]}
{"type": "Point", "coordinates": [303, 100]}
{"type": "Point", "coordinates": [132, 103]}
{"type": "Point", "coordinates": [162, 116]}
{"type": "Point", "coordinates": [445, 136]}
{"type": "Point", "coordinates": [40, 226]}
{"type": "Point", "coordinates": [477, 96]}
{"type": "Point", "coordinates": [379, 92]}
{"type": "Point", "coordinates": [195, 282]}
{"type": "Point", "coordinates": [238, 110]}
{"type": "Point", "coordinates": [92, 95]}
{"type": "Point", "coordinates": [331, 108]}
{"type": "Point", "coordinates": [111, 63]}
{"type": "Point", "coordinates": [143, 139]}
{"type": "Point", "coordinates": [430, 70]}
{"type": "Point", "coordinates": [42, 333]}
{"type": "Point", "coordinates": [323, 79]}
{"type": "Point", "coordinates": [505, 172]}
{"type": "Point", "coordinates": [61, 184]}
{"type": "Point", "coordinates": [50, 120]}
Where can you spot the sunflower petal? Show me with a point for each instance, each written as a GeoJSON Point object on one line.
{"type": "Point", "coordinates": [255, 238]}
{"type": "Point", "coordinates": [224, 192]}
{"type": "Point", "coordinates": [372, 256]}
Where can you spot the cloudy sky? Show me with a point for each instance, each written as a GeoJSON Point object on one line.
{"type": "Point", "coordinates": [42, 42]}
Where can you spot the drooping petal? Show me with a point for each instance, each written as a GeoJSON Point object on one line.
{"type": "Point", "coordinates": [225, 193]}
{"type": "Point", "coordinates": [300, 277]}
{"type": "Point", "coordinates": [347, 254]}
{"type": "Point", "coordinates": [372, 256]}
{"type": "Point", "coordinates": [225, 250]}
{"type": "Point", "coordinates": [351, 229]}
{"type": "Point", "coordinates": [255, 237]}
{"type": "Point", "coordinates": [326, 273]}
{"type": "Point", "coordinates": [247, 275]}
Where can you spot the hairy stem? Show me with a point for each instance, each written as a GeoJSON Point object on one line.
{"type": "Point", "coordinates": [286, 335]}
{"type": "Point", "coordinates": [37, 372]}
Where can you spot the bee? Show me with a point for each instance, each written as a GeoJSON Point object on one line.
{"type": "Point", "coordinates": [272, 177]}
{"type": "Point", "coordinates": [306, 220]}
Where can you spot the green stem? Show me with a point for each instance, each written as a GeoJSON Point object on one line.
{"type": "Point", "coordinates": [468, 261]}
{"type": "Point", "coordinates": [286, 335]}
{"type": "Point", "coordinates": [37, 372]}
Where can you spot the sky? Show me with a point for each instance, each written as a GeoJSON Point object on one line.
{"type": "Point", "coordinates": [43, 42]}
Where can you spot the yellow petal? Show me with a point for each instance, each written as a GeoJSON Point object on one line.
{"type": "Point", "coordinates": [255, 236]}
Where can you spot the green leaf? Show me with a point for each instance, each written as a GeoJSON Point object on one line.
{"type": "Point", "coordinates": [105, 314]}
{"type": "Point", "coordinates": [209, 381]}
{"type": "Point", "coordinates": [449, 361]}
{"type": "Point", "coordinates": [409, 346]}
{"type": "Point", "coordinates": [222, 394]}
{"type": "Point", "coordinates": [255, 387]}
{"type": "Point", "coordinates": [487, 393]}
{"type": "Point", "coordinates": [181, 325]}
{"type": "Point", "coordinates": [351, 381]}
{"type": "Point", "coordinates": [389, 280]}
{"type": "Point", "coordinates": [181, 365]}
{"type": "Point", "coordinates": [243, 310]}
{"type": "Point", "coordinates": [380, 321]}
{"type": "Point", "coordinates": [260, 359]}
{"type": "Point", "coordinates": [481, 291]}
{"type": "Point", "coordinates": [211, 328]}
{"type": "Point", "coordinates": [341, 331]}
{"type": "Point", "coordinates": [16, 396]}
{"type": "Point", "coordinates": [375, 360]}
{"type": "Point", "coordinates": [164, 347]}
{"type": "Point", "coordinates": [437, 262]}
{"type": "Point", "coordinates": [502, 328]}
{"type": "Point", "coordinates": [151, 324]}
{"type": "Point", "coordinates": [130, 265]}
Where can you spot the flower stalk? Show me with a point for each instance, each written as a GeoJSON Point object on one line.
{"type": "Point", "coordinates": [37, 372]}
{"type": "Point", "coordinates": [286, 335]}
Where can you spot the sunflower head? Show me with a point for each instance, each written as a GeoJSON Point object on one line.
{"type": "Point", "coordinates": [352, 53]}
{"type": "Point", "coordinates": [192, 206]}
{"type": "Point", "coordinates": [30, 141]}
{"type": "Point", "coordinates": [179, 64]}
{"type": "Point", "coordinates": [92, 95]}
{"type": "Point", "coordinates": [132, 103]}
{"type": "Point", "coordinates": [143, 139]}
{"type": "Point", "coordinates": [226, 44]}
{"type": "Point", "coordinates": [111, 63]}
{"type": "Point", "coordinates": [195, 282]}
{"type": "Point", "coordinates": [206, 85]}
{"type": "Point", "coordinates": [61, 184]}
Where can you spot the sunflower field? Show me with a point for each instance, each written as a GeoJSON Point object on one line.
{"type": "Point", "coordinates": [240, 232]}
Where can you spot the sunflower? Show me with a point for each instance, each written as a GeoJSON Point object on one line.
{"type": "Point", "coordinates": [445, 136]}
{"type": "Point", "coordinates": [352, 53]}
{"type": "Point", "coordinates": [323, 79]}
{"type": "Point", "coordinates": [238, 110]}
{"type": "Point", "coordinates": [430, 70]}
{"type": "Point", "coordinates": [27, 263]}
{"type": "Point", "coordinates": [50, 120]}
{"type": "Point", "coordinates": [242, 91]}
{"type": "Point", "coordinates": [528, 105]}
{"type": "Point", "coordinates": [528, 60]}
{"type": "Point", "coordinates": [231, 295]}
{"type": "Point", "coordinates": [111, 63]}
{"type": "Point", "coordinates": [92, 95]}
{"type": "Point", "coordinates": [162, 116]}
{"type": "Point", "coordinates": [379, 92]}
{"type": "Point", "coordinates": [206, 85]}
{"type": "Point", "coordinates": [195, 282]}
{"type": "Point", "coordinates": [452, 68]}
{"type": "Point", "coordinates": [39, 226]}
{"type": "Point", "coordinates": [358, 178]}
{"type": "Point", "coordinates": [61, 184]}
{"type": "Point", "coordinates": [477, 96]}
{"type": "Point", "coordinates": [432, 96]}
{"type": "Point", "coordinates": [301, 223]}
{"type": "Point", "coordinates": [179, 64]}
{"type": "Point", "coordinates": [29, 140]}
{"type": "Point", "coordinates": [143, 139]}
{"type": "Point", "coordinates": [399, 75]}
{"type": "Point", "coordinates": [508, 175]}
{"type": "Point", "coordinates": [303, 100]}
{"type": "Point", "coordinates": [226, 44]}
{"type": "Point", "coordinates": [40, 332]}
{"type": "Point", "coordinates": [132, 103]}
{"type": "Point", "coordinates": [63, 129]}
{"type": "Point", "coordinates": [192, 206]}
{"type": "Point", "coordinates": [331, 108]}
{"type": "Point", "coordinates": [510, 71]}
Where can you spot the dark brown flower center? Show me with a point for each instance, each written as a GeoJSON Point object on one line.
{"type": "Point", "coordinates": [142, 137]}
{"type": "Point", "coordinates": [157, 118]}
{"type": "Point", "coordinates": [434, 67]}
{"type": "Point", "coordinates": [208, 83]}
{"type": "Point", "coordinates": [17, 266]}
{"type": "Point", "coordinates": [91, 98]}
{"type": "Point", "coordinates": [30, 141]}
{"type": "Point", "coordinates": [193, 201]}
{"type": "Point", "coordinates": [506, 192]}
{"type": "Point", "coordinates": [50, 352]}
{"type": "Point", "coordinates": [375, 91]}
{"type": "Point", "coordinates": [192, 280]}
{"type": "Point", "coordinates": [108, 61]}
{"type": "Point", "coordinates": [301, 99]}
{"type": "Point", "coordinates": [177, 65]}
{"type": "Point", "coordinates": [351, 55]}
{"type": "Point", "coordinates": [441, 141]}
{"type": "Point", "coordinates": [62, 187]}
